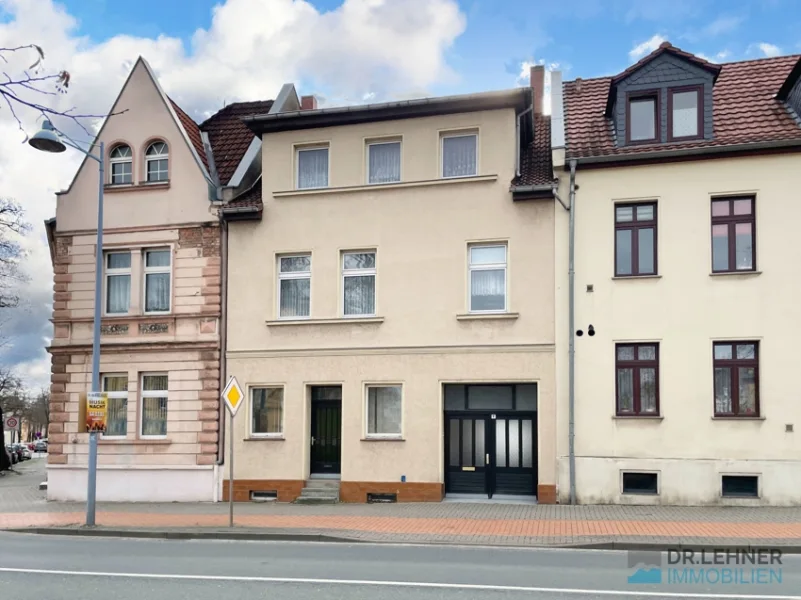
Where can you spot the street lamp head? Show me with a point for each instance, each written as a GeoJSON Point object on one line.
{"type": "Point", "coordinates": [47, 140]}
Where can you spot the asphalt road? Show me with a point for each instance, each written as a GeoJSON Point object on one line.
{"type": "Point", "coordinates": [56, 568]}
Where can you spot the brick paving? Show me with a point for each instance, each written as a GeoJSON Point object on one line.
{"type": "Point", "coordinates": [23, 505]}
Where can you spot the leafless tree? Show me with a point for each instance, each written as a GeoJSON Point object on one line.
{"type": "Point", "coordinates": [12, 226]}
{"type": "Point", "coordinates": [28, 88]}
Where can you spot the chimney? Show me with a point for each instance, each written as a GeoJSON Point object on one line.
{"type": "Point", "coordinates": [308, 103]}
{"type": "Point", "coordinates": [537, 87]}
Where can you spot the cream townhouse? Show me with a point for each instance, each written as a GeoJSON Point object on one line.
{"type": "Point", "coordinates": [390, 308]}
{"type": "Point", "coordinates": [682, 177]}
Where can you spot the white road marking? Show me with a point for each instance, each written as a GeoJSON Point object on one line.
{"type": "Point", "coordinates": [404, 584]}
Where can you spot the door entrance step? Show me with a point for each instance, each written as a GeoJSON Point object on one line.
{"type": "Point", "coordinates": [319, 491]}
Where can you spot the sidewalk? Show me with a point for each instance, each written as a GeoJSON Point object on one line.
{"type": "Point", "coordinates": [460, 523]}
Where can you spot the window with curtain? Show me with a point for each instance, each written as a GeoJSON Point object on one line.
{"type": "Point", "coordinates": [637, 373]}
{"type": "Point", "coordinates": [488, 278]}
{"type": "Point", "coordinates": [154, 405]}
{"type": "Point", "coordinates": [294, 286]}
{"type": "Point", "coordinates": [157, 162]}
{"type": "Point", "coordinates": [312, 168]}
{"type": "Point", "coordinates": [733, 229]}
{"type": "Point", "coordinates": [358, 283]}
{"type": "Point", "coordinates": [116, 388]}
{"type": "Point", "coordinates": [635, 239]}
{"type": "Point", "coordinates": [384, 412]}
{"type": "Point", "coordinates": [121, 160]}
{"type": "Point", "coordinates": [736, 379]}
{"type": "Point", "coordinates": [459, 155]}
{"type": "Point", "coordinates": [157, 281]}
{"type": "Point", "coordinates": [118, 282]}
{"type": "Point", "coordinates": [685, 113]}
{"type": "Point", "coordinates": [267, 407]}
{"type": "Point", "coordinates": [383, 162]}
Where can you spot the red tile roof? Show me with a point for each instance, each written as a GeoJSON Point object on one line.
{"type": "Point", "coordinates": [247, 200]}
{"type": "Point", "coordinates": [193, 131]}
{"type": "Point", "coordinates": [229, 137]}
{"type": "Point", "coordinates": [536, 167]}
{"type": "Point", "coordinates": [745, 111]}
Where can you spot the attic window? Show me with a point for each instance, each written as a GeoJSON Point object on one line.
{"type": "Point", "coordinates": [684, 113]}
{"type": "Point", "coordinates": [643, 117]}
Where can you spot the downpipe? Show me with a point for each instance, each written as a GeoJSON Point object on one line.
{"type": "Point", "coordinates": [571, 318]}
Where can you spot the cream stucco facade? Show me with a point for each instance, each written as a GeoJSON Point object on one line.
{"type": "Point", "coordinates": [685, 308]}
{"type": "Point", "coordinates": [178, 342]}
{"type": "Point", "coordinates": [421, 335]}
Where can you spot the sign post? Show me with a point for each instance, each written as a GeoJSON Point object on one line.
{"type": "Point", "coordinates": [232, 396]}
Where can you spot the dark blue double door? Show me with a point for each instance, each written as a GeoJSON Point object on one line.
{"type": "Point", "coordinates": [491, 453]}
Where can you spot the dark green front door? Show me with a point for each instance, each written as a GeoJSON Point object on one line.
{"type": "Point", "coordinates": [326, 429]}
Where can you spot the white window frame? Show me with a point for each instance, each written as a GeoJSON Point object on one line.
{"type": "Point", "coordinates": [487, 267]}
{"type": "Point", "coordinates": [120, 160]}
{"type": "Point", "coordinates": [292, 275]}
{"type": "Point", "coordinates": [103, 378]}
{"type": "Point", "coordinates": [261, 386]}
{"type": "Point", "coordinates": [344, 273]}
{"type": "Point", "coordinates": [305, 148]}
{"type": "Point", "coordinates": [384, 142]}
{"type": "Point", "coordinates": [152, 270]}
{"type": "Point", "coordinates": [455, 134]}
{"type": "Point", "coordinates": [110, 272]}
{"type": "Point", "coordinates": [148, 159]}
{"type": "Point", "coordinates": [152, 394]}
{"type": "Point", "coordinates": [382, 436]}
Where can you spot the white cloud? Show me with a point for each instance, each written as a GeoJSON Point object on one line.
{"type": "Point", "coordinates": [768, 49]}
{"type": "Point", "coordinates": [374, 49]}
{"type": "Point", "coordinates": [723, 55]}
{"type": "Point", "coordinates": [646, 47]}
{"type": "Point", "coordinates": [723, 25]}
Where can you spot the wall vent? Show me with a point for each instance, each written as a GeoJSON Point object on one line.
{"type": "Point", "coordinates": [381, 498]}
{"type": "Point", "coordinates": [263, 496]}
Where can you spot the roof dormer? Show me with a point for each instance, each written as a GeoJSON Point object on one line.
{"type": "Point", "coordinates": [665, 97]}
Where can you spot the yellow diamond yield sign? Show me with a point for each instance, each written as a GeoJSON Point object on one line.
{"type": "Point", "coordinates": [232, 395]}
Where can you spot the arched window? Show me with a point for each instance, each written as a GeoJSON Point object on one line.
{"type": "Point", "coordinates": [156, 158]}
{"type": "Point", "coordinates": [121, 160]}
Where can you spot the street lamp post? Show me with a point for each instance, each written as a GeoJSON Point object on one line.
{"type": "Point", "coordinates": [49, 139]}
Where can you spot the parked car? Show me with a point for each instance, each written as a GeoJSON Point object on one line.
{"type": "Point", "coordinates": [25, 452]}
{"type": "Point", "coordinates": [41, 446]}
{"type": "Point", "coordinates": [12, 454]}
{"type": "Point", "coordinates": [18, 449]}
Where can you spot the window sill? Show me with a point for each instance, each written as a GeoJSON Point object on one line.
{"type": "Point", "coordinates": [732, 418]}
{"type": "Point", "coordinates": [135, 442]}
{"type": "Point", "coordinates": [486, 316]}
{"type": "Point", "coordinates": [384, 186]}
{"type": "Point", "coordinates": [382, 439]}
{"type": "Point", "coordinates": [339, 321]}
{"type": "Point", "coordinates": [625, 277]}
{"type": "Point", "coordinates": [256, 438]}
{"type": "Point", "coordinates": [136, 187]}
{"type": "Point", "coordinates": [735, 274]}
{"type": "Point", "coordinates": [638, 417]}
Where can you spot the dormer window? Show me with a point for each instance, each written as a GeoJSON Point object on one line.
{"type": "Point", "coordinates": [643, 117]}
{"type": "Point", "coordinates": [157, 161]}
{"type": "Point", "coordinates": [121, 160]}
{"type": "Point", "coordinates": [685, 114]}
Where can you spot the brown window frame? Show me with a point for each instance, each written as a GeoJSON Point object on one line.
{"type": "Point", "coordinates": [734, 364]}
{"type": "Point", "coordinates": [699, 89]}
{"type": "Point", "coordinates": [655, 95]}
{"type": "Point", "coordinates": [636, 365]}
{"type": "Point", "coordinates": [731, 221]}
{"type": "Point", "coordinates": [634, 225]}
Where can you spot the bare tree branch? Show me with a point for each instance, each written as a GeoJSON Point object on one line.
{"type": "Point", "coordinates": [12, 225]}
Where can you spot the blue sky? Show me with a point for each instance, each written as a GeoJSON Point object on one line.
{"type": "Point", "coordinates": [585, 37]}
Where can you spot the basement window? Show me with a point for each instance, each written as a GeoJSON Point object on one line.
{"type": "Point", "coordinates": [263, 496]}
{"type": "Point", "coordinates": [640, 483]}
{"type": "Point", "coordinates": [740, 486]}
{"type": "Point", "coordinates": [373, 498]}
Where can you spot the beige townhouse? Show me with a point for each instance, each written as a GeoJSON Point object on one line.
{"type": "Point", "coordinates": [160, 344]}
{"type": "Point", "coordinates": [390, 301]}
{"type": "Point", "coordinates": [682, 177]}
